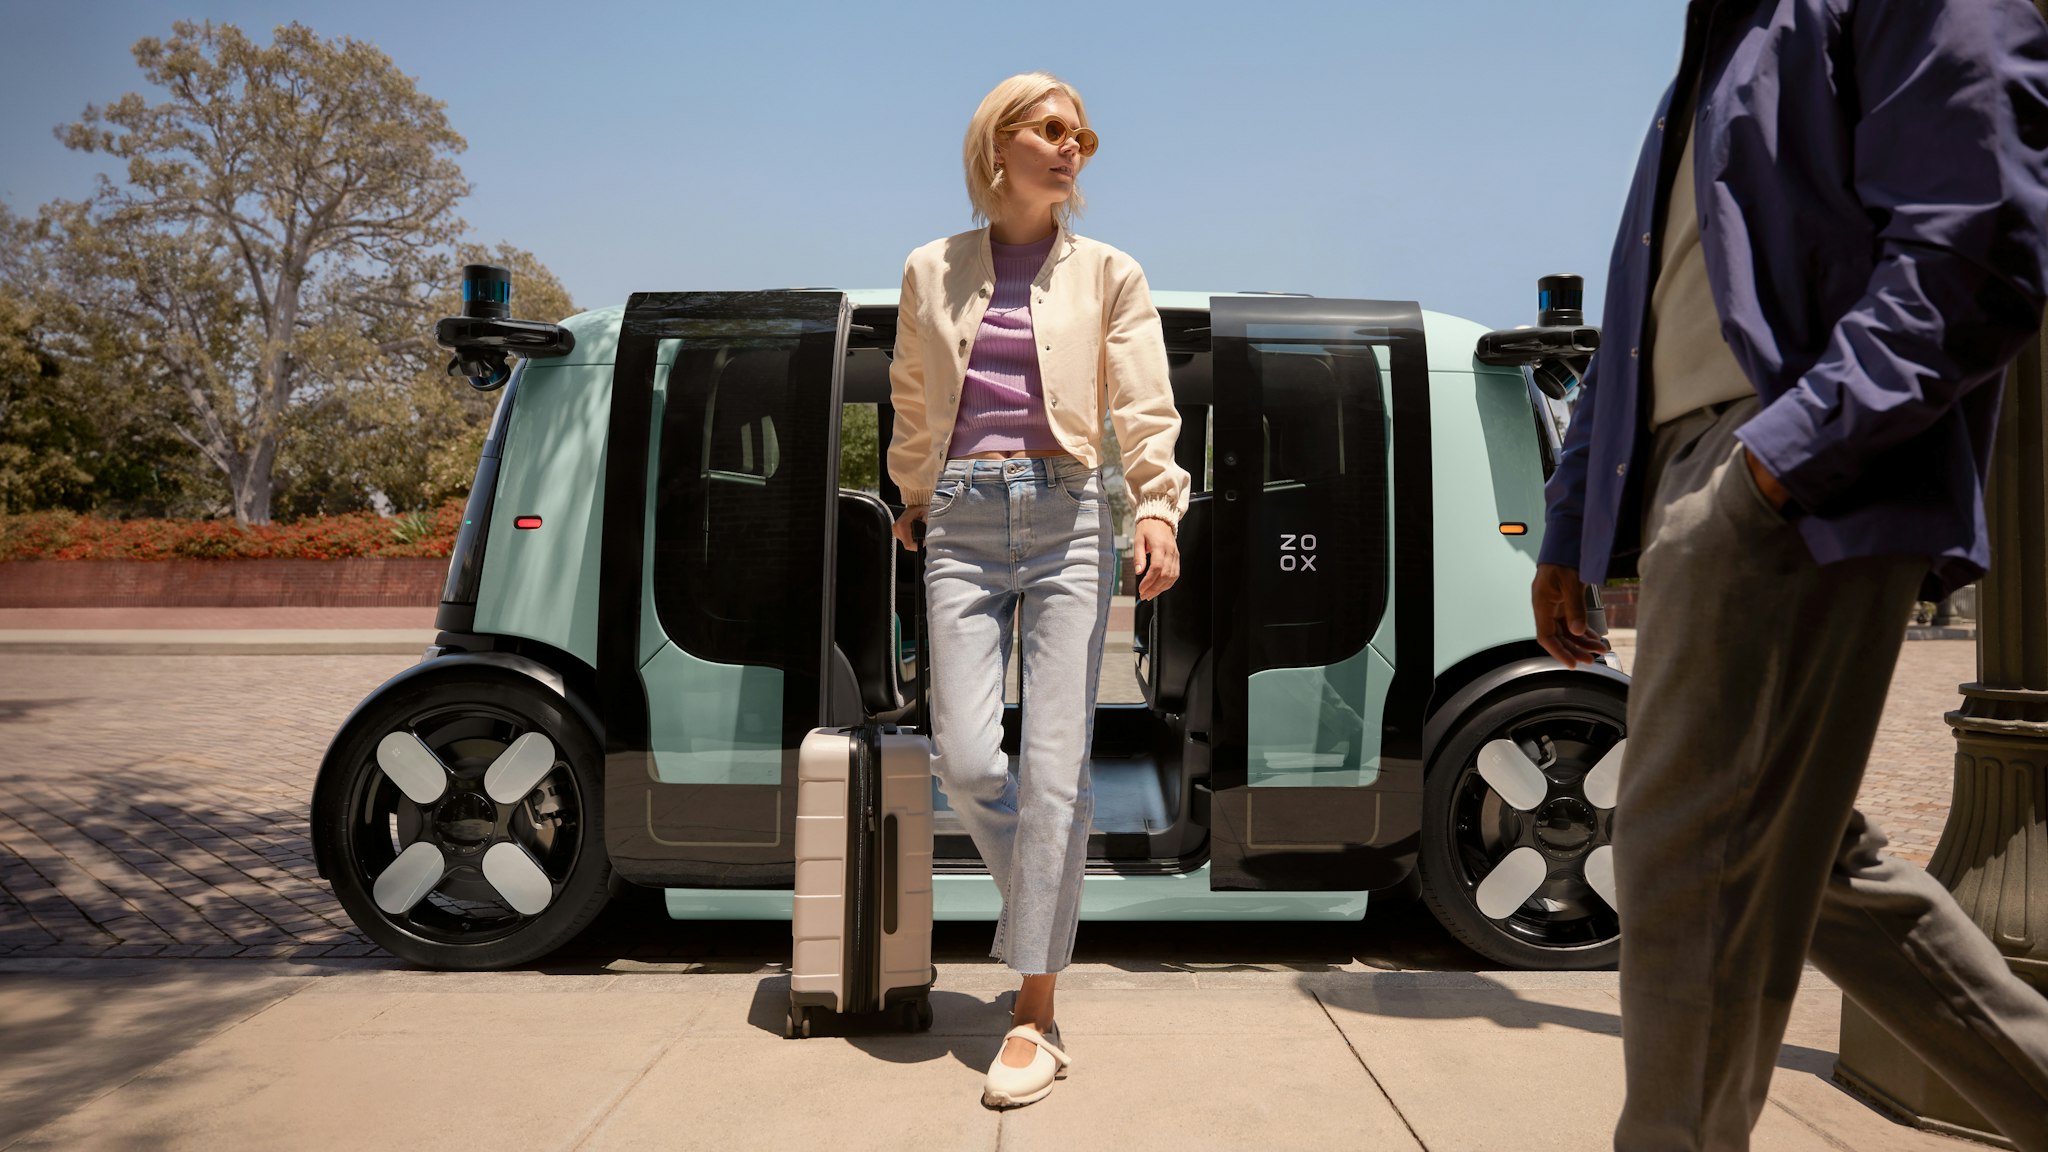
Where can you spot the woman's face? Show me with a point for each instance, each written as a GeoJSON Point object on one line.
{"type": "Point", "coordinates": [1036, 173]}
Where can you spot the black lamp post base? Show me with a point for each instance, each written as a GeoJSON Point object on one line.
{"type": "Point", "coordinates": [1878, 1070]}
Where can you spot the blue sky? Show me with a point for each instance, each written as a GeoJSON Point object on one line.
{"type": "Point", "coordinates": [1448, 151]}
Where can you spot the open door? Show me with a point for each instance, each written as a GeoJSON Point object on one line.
{"type": "Point", "coordinates": [714, 631]}
{"type": "Point", "coordinates": [1321, 463]}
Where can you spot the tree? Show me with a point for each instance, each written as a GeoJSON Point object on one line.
{"type": "Point", "coordinates": [283, 209]}
{"type": "Point", "coordinates": [38, 434]}
{"type": "Point", "coordinates": [860, 449]}
{"type": "Point", "coordinates": [407, 431]}
{"type": "Point", "coordinates": [73, 432]}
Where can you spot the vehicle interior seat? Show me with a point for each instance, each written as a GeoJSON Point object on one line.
{"type": "Point", "coordinates": [715, 513]}
{"type": "Point", "coordinates": [1175, 626]}
{"type": "Point", "coordinates": [864, 607]}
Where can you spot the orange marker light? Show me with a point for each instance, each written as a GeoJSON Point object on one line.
{"type": "Point", "coordinates": [526, 522]}
{"type": "Point", "coordinates": [1509, 529]}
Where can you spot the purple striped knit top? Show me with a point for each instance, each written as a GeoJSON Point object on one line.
{"type": "Point", "coordinates": [1002, 399]}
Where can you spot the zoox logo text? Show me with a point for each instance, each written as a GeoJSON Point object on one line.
{"type": "Point", "coordinates": [1297, 553]}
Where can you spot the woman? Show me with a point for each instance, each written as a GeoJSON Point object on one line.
{"type": "Point", "coordinates": [1010, 341]}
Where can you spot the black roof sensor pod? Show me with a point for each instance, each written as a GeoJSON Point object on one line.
{"type": "Point", "coordinates": [1558, 349]}
{"type": "Point", "coordinates": [484, 336]}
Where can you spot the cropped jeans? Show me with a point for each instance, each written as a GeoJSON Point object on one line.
{"type": "Point", "coordinates": [1027, 539]}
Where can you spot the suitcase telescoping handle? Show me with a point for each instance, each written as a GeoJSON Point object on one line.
{"type": "Point", "coordinates": [917, 626]}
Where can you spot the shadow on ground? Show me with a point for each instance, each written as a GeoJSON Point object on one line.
{"type": "Point", "coordinates": [12, 711]}
{"type": "Point", "coordinates": [69, 1037]}
{"type": "Point", "coordinates": [1523, 1009]}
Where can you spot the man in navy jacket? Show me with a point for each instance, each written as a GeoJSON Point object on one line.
{"type": "Point", "coordinates": [1833, 247]}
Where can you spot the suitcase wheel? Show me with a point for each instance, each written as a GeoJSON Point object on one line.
{"type": "Point", "coordinates": [797, 1025]}
{"type": "Point", "coordinates": [917, 1015]}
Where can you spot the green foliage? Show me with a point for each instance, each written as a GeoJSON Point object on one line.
{"type": "Point", "coordinates": [860, 464]}
{"type": "Point", "coordinates": [412, 527]}
{"type": "Point", "coordinates": [41, 437]}
{"type": "Point", "coordinates": [71, 435]}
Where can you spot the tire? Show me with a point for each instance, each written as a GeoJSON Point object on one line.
{"type": "Point", "coordinates": [1470, 829]}
{"type": "Point", "coordinates": [492, 906]}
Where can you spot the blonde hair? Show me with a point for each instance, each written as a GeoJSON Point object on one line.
{"type": "Point", "coordinates": [1005, 104]}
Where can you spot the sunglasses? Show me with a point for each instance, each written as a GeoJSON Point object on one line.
{"type": "Point", "coordinates": [1055, 130]}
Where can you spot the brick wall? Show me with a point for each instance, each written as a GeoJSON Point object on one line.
{"type": "Point", "coordinates": [358, 582]}
{"type": "Point", "coordinates": [1620, 602]}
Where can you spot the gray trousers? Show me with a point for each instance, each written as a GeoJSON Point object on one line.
{"type": "Point", "coordinates": [1738, 850]}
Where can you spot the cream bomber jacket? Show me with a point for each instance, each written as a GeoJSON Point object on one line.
{"type": "Point", "coordinates": [1099, 342]}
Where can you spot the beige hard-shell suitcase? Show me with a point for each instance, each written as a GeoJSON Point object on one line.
{"type": "Point", "coordinates": [862, 924]}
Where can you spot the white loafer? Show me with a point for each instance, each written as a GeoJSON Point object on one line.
{"type": "Point", "coordinates": [1009, 1087]}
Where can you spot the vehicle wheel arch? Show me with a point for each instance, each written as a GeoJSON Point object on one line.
{"type": "Point", "coordinates": [1478, 680]}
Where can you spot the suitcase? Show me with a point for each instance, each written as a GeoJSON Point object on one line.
{"type": "Point", "coordinates": [861, 928]}
{"type": "Point", "coordinates": [861, 922]}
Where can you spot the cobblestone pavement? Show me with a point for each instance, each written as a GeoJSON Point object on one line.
{"type": "Point", "coordinates": [156, 806]}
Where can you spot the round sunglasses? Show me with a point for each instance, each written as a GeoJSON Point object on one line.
{"type": "Point", "coordinates": [1055, 130]}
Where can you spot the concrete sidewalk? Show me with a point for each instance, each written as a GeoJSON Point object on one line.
{"type": "Point", "coordinates": [231, 1054]}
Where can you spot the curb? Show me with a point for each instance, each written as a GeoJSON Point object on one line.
{"type": "Point", "coordinates": [1940, 632]}
{"type": "Point", "coordinates": [175, 642]}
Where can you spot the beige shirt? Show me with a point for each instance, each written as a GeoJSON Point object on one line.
{"type": "Point", "coordinates": [1690, 364]}
{"type": "Point", "coordinates": [1100, 348]}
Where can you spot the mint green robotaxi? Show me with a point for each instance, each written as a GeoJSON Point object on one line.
{"type": "Point", "coordinates": [663, 583]}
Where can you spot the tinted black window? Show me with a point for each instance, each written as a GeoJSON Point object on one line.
{"type": "Point", "coordinates": [741, 507]}
{"type": "Point", "coordinates": [1319, 530]}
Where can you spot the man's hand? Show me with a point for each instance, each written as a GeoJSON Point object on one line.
{"type": "Point", "coordinates": [1156, 556]}
{"type": "Point", "coordinates": [1559, 600]}
{"type": "Point", "coordinates": [1766, 483]}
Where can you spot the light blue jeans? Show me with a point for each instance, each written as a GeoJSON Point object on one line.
{"type": "Point", "coordinates": [1028, 538]}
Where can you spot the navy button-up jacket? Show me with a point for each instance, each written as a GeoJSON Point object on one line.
{"type": "Point", "coordinates": [1872, 182]}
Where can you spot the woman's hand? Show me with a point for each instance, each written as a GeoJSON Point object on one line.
{"type": "Point", "coordinates": [1157, 557]}
{"type": "Point", "coordinates": [904, 530]}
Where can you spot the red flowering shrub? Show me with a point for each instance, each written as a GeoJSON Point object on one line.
{"type": "Point", "coordinates": [67, 536]}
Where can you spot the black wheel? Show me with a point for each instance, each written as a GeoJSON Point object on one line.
{"type": "Point", "coordinates": [1518, 823]}
{"type": "Point", "coordinates": [915, 1015]}
{"type": "Point", "coordinates": [806, 1021]}
{"type": "Point", "coordinates": [463, 821]}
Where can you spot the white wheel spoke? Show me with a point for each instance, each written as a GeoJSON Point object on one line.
{"type": "Point", "coordinates": [517, 878]}
{"type": "Point", "coordinates": [1603, 783]}
{"type": "Point", "coordinates": [1510, 772]}
{"type": "Point", "coordinates": [413, 767]}
{"type": "Point", "coordinates": [1511, 883]}
{"type": "Point", "coordinates": [519, 768]}
{"type": "Point", "coordinates": [1600, 873]}
{"type": "Point", "coordinates": [409, 878]}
